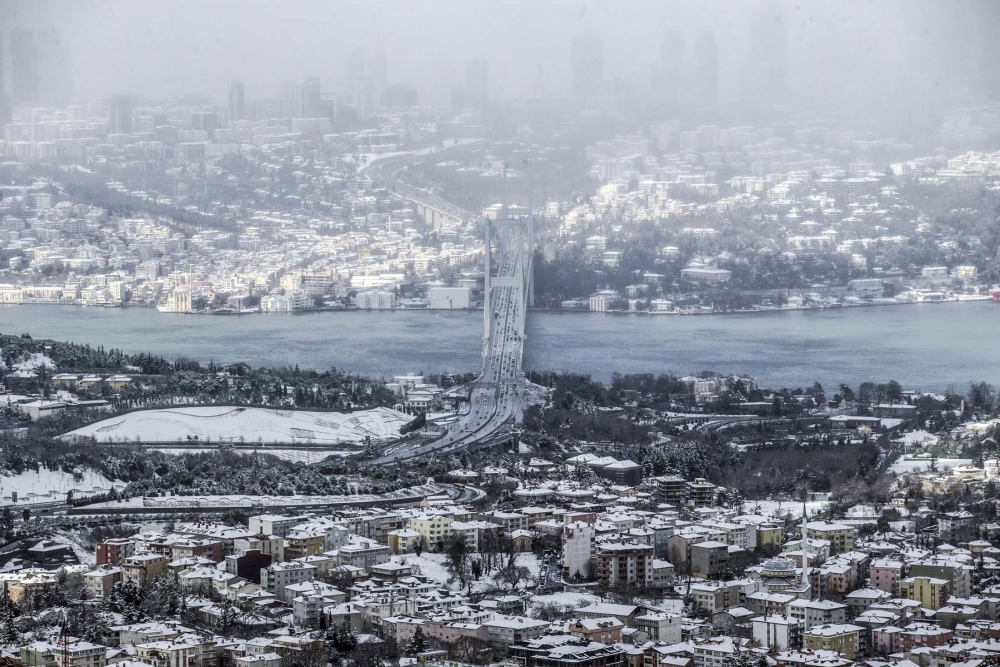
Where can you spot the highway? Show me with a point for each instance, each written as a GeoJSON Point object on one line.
{"type": "Point", "coordinates": [496, 397]}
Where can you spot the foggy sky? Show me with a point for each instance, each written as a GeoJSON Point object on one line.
{"type": "Point", "coordinates": [835, 49]}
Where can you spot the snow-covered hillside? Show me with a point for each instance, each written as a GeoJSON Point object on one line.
{"type": "Point", "coordinates": [46, 486]}
{"type": "Point", "coordinates": [238, 424]}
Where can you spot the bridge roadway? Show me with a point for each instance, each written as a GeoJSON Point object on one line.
{"type": "Point", "coordinates": [385, 169]}
{"type": "Point", "coordinates": [497, 395]}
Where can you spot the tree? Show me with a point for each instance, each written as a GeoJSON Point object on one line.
{"type": "Point", "coordinates": [744, 658]}
{"type": "Point", "coordinates": [981, 396]}
{"type": "Point", "coordinates": [417, 644]}
{"type": "Point", "coordinates": [8, 615]}
{"type": "Point", "coordinates": [509, 571]}
{"type": "Point", "coordinates": [229, 620]}
{"type": "Point", "coordinates": [126, 598]}
{"type": "Point", "coordinates": [459, 556]}
{"type": "Point", "coordinates": [471, 650]}
{"type": "Point", "coordinates": [163, 598]}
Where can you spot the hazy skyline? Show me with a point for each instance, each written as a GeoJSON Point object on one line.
{"type": "Point", "coordinates": [845, 50]}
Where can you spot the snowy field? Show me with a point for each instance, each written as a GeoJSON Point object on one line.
{"type": "Point", "coordinates": [904, 465]}
{"type": "Point", "coordinates": [34, 361]}
{"type": "Point", "coordinates": [570, 598]}
{"type": "Point", "coordinates": [433, 567]}
{"type": "Point", "coordinates": [293, 455]}
{"type": "Point", "coordinates": [778, 509]}
{"type": "Point", "coordinates": [47, 486]}
{"type": "Point", "coordinates": [239, 424]}
{"type": "Point", "coordinates": [239, 500]}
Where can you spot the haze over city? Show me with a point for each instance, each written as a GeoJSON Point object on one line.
{"type": "Point", "coordinates": [868, 57]}
{"type": "Point", "coordinates": [499, 334]}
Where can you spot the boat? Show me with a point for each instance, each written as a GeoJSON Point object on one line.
{"type": "Point", "coordinates": [995, 293]}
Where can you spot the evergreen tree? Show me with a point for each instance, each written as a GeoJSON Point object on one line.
{"type": "Point", "coordinates": [126, 598]}
{"type": "Point", "coordinates": [8, 614]}
{"type": "Point", "coordinates": [228, 620]}
{"type": "Point", "coordinates": [418, 643]}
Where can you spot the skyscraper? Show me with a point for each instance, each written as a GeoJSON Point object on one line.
{"type": "Point", "coordinates": [237, 102]}
{"type": "Point", "coordinates": [312, 105]}
{"type": "Point", "coordinates": [587, 65]}
{"type": "Point", "coordinates": [291, 100]}
{"type": "Point", "coordinates": [5, 106]}
{"type": "Point", "coordinates": [667, 79]}
{"type": "Point", "coordinates": [366, 99]}
{"type": "Point", "coordinates": [378, 72]}
{"type": "Point", "coordinates": [120, 115]}
{"type": "Point", "coordinates": [765, 67]}
{"type": "Point", "coordinates": [706, 66]}
{"type": "Point", "coordinates": [23, 66]}
{"type": "Point", "coordinates": [55, 82]}
{"type": "Point", "coordinates": [477, 82]}
{"type": "Point", "coordinates": [354, 69]}
{"type": "Point", "coordinates": [3, 62]}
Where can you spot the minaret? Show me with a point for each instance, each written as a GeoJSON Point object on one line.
{"type": "Point", "coordinates": [805, 546]}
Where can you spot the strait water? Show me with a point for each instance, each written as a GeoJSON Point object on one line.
{"type": "Point", "coordinates": [923, 346]}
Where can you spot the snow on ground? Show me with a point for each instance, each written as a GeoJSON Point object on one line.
{"type": "Point", "coordinates": [293, 455]}
{"type": "Point", "coordinates": [84, 551]}
{"type": "Point", "coordinates": [238, 424]}
{"type": "Point", "coordinates": [779, 509]}
{"type": "Point", "coordinates": [572, 599]}
{"type": "Point", "coordinates": [905, 465]}
{"type": "Point", "coordinates": [34, 360]}
{"type": "Point", "coordinates": [431, 566]}
{"type": "Point", "coordinates": [434, 567]}
{"type": "Point", "coordinates": [46, 486]}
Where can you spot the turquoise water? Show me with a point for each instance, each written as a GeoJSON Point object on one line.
{"type": "Point", "coordinates": [924, 346]}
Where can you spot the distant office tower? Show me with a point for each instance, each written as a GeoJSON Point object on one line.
{"type": "Point", "coordinates": [207, 121]}
{"type": "Point", "coordinates": [667, 79]}
{"type": "Point", "coordinates": [291, 100]}
{"type": "Point", "coordinates": [587, 63]}
{"type": "Point", "coordinates": [120, 115]}
{"type": "Point", "coordinates": [312, 105]}
{"type": "Point", "coordinates": [477, 81]}
{"type": "Point", "coordinates": [706, 67]}
{"type": "Point", "coordinates": [765, 67]}
{"type": "Point", "coordinates": [5, 105]}
{"type": "Point", "coordinates": [366, 99]}
{"type": "Point", "coordinates": [378, 72]}
{"type": "Point", "coordinates": [55, 82]}
{"type": "Point", "coordinates": [354, 69]}
{"type": "Point", "coordinates": [538, 88]}
{"type": "Point", "coordinates": [237, 101]}
{"type": "Point", "coordinates": [23, 66]}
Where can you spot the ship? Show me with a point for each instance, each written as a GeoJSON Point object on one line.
{"type": "Point", "coordinates": [995, 293]}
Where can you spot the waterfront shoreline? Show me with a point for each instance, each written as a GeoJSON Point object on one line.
{"type": "Point", "coordinates": [557, 311]}
{"type": "Point", "coordinates": [925, 348]}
